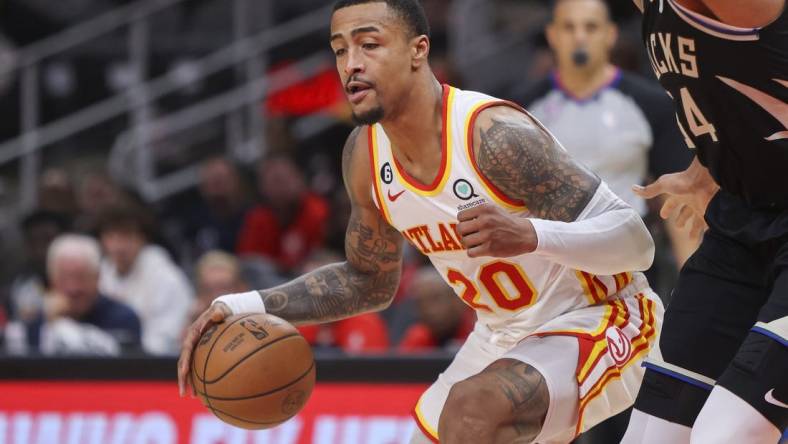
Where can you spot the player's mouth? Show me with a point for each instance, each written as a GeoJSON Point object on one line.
{"type": "Point", "coordinates": [357, 90]}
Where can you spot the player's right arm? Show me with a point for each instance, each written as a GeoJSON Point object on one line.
{"type": "Point", "coordinates": [366, 281]}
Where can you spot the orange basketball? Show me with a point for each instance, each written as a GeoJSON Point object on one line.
{"type": "Point", "coordinates": [253, 371]}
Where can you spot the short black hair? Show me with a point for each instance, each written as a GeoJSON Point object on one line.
{"type": "Point", "coordinates": [410, 11]}
{"type": "Point", "coordinates": [554, 4]}
{"type": "Point", "coordinates": [126, 218]}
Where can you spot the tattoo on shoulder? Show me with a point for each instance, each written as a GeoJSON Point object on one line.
{"type": "Point", "coordinates": [526, 163]}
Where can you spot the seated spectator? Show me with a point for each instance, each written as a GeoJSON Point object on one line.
{"type": "Point", "coordinates": [216, 273]}
{"type": "Point", "coordinates": [144, 276]}
{"type": "Point", "coordinates": [365, 333]}
{"type": "Point", "coordinates": [56, 193]}
{"type": "Point", "coordinates": [443, 320]}
{"type": "Point", "coordinates": [76, 318]}
{"type": "Point", "coordinates": [214, 220]}
{"type": "Point", "coordinates": [96, 192]}
{"type": "Point", "coordinates": [30, 283]}
{"type": "Point", "coordinates": [290, 223]}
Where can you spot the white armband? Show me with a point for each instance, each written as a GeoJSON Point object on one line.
{"type": "Point", "coordinates": [242, 303]}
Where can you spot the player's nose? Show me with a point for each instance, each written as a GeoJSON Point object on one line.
{"type": "Point", "coordinates": [354, 64]}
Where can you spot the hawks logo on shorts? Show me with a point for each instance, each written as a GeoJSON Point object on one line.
{"type": "Point", "coordinates": [618, 346]}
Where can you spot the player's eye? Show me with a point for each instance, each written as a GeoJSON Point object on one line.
{"type": "Point", "coordinates": [340, 52]}
{"type": "Point", "coordinates": [369, 46]}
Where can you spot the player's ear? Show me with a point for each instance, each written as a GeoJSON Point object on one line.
{"type": "Point", "coordinates": [549, 33]}
{"type": "Point", "coordinates": [420, 50]}
{"type": "Point", "coordinates": [612, 35]}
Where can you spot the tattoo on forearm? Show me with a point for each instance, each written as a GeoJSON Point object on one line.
{"type": "Point", "coordinates": [526, 163]}
{"type": "Point", "coordinates": [365, 282]}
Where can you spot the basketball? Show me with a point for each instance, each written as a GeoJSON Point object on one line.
{"type": "Point", "coordinates": [253, 371]}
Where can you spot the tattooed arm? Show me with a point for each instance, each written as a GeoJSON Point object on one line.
{"type": "Point", "coordinates": [370, 276]}
{"type": "Point", "coordinates": [574, 219]}
{"type": "Point", "coordinates": [366, 281]}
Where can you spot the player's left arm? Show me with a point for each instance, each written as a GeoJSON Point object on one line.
{"type": "Point", "coordinates": [573, 218]}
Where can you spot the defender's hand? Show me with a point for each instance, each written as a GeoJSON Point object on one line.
{"type": "Point", "coordinates": [213, 315]}
{"type": "Point", "coordinates": [487, 230]}
{"type": "Point", "coordinates": [686, 193]}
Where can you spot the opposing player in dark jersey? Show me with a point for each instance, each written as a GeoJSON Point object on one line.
{"type": "Point", "coordinates": [720, 374]}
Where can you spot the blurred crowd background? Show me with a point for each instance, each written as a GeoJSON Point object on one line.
{"type": "Point", "coordinates": [141, 177]}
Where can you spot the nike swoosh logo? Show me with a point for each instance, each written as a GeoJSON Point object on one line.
{"type": "Point", "coordinates": [776, 107]}
{"type": "Point", "coordinates": [395, 196]}
{"type": "Point", "coordinates": [769, 397]}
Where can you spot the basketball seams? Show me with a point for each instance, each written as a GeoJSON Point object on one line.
{"type": "Point", "coordinates": [291, 394]}
{"type": "Point", "coordinates": [270, 392]}
{"type": "Point", "coordinates": [208, 355]}
{"type": "Point", "coordinates": [207, 359]}
{"type": "Point", "coordinates": [247, 356]}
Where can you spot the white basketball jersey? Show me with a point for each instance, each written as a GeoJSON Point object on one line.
{"type": "Point", "coordinates": [526, 289]}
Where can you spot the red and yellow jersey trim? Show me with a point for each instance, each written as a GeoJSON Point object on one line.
{"type": "Point", "coordinates": [641, 345]}
{"type": "Point", "coordinates": [593, 345]}
{"type": "Point", "coordinates": [436, 187]}
{"type": "Point", "coordinates": [424, 426]}
{"type": "Point", "coordinates": [499, 196]}
{"type": "Point", "coordinates": [372, 143]}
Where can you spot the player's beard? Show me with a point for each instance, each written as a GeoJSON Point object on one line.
{"type": "Point", "coordinates": [369, 117]}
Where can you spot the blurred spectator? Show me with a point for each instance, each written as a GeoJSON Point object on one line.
{"type": "Point", "coordinates": [216, 273]}
{"type": "Point", "coordinates": [144, 276]}
{"type": "Point", "coordinates": [493, 43]}
{"type": "Point", "coordinates": [96, 192]}
{"type": "Point", "coordinates": [76, 318]}
{"type": "Point", "coordinates": [56, 193]}
{"type": "Point", "coordinates": [30, 284]}
{"type": "Point", "coordinates": [290, 223]}
{"type": "Point", "coordinates": [619, 125]}
{"type": "Point", "coordinates": [213, 222]}
{"type": "Point", "coordinates": [443, 320]}
{"type": "Point", "coordinates": [365, 333]}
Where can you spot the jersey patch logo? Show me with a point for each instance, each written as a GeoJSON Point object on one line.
{"type": "Point", "coordinates": [464, 190]}
{"type": "Point", "coordinates": [769, 397]}
{"type": "Point", "coordinates": [394, 197]}
{"type": "Point", "coordinates": [618, 346]}
{"type": "Point", "coordinates": [776, 107]}
{"type": "Point", "coordinates": [386, 175]}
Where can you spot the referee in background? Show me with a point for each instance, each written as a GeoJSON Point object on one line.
{"type": "Point", "coordinates": [618, 124]}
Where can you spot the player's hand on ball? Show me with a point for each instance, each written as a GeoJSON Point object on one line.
{"type": "Point", "coordinates": [213, 315]}
{"type": "Point", "coordinates": [686, 194]}
{"type": "Point", "coordinates": [487, 230]}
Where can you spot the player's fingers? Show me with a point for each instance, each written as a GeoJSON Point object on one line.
{"type": "Point", "coordinates": [478, 250]}
{"type": "Point", "coordinates": [187, 346]}
{"type": "Point", "coordinates": [698, 226]}
{"type": "Point", "coordinates": [183, 371]}
{"type": "Point", "coordinates": [468, 226]}
{"type": "Point", "coordinates": [473, 240]}
{"type": "Point", "coordinates": [219, 311]}
{"type": "Point", "coordinates": [668, 208]}
{"type": "Point", "coordinates": [473, 213]}
{"type": "Point", "coordinates": [684, 215]}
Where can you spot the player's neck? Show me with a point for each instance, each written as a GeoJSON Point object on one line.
{"type": "Point", "coordinates": [415, 131]}
{"type": "Point", "coordinates": [584, 83]}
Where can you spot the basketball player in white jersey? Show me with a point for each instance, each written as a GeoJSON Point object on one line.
{"type": "Point", "coordinates": [534, 242]}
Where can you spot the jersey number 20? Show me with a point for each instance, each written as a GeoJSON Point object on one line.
{"type": "Point", "coordinates": [505, 282]}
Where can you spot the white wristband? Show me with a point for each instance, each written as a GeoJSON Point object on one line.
{"type": "Point", "coordinates": [242, 303]}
